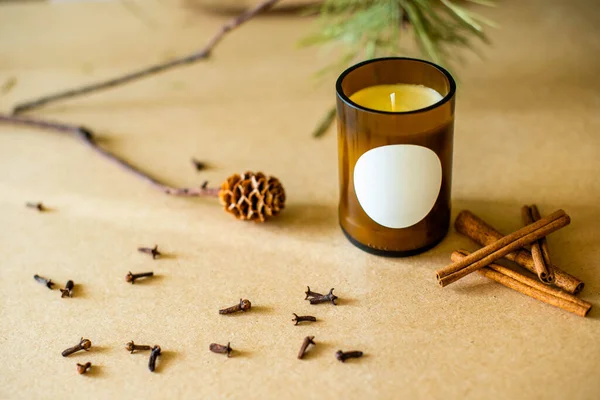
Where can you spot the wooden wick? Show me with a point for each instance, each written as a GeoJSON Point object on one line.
{"type": "Point", "coordinates": [484, 234]}
{"type": "Point", "coordinates": [502, 247]}
{"type": "Point", "coordinates": [541, 263]}
{"type": "Point", "coordinates": [530, 287]}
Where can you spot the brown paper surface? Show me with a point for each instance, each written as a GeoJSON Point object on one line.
{"type": "Point", "coordinates": [526, 131]}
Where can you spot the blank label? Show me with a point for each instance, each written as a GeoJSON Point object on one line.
{"type": "Point", "coordinates": [398, 185]}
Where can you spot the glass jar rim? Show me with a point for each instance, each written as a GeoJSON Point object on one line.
{"type": "Point", "coordinates": [346, 98]}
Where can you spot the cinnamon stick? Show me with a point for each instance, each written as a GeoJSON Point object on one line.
{"type": "Point", "coordinates": [540, 263]}
{"type": "Point", "coordinates": [484, 234]}
{"type": "Point", "coordinates": [535, 214]}
{"type": "Point", "coordinates": [502, 247]}
{"type": "Point", "coordinates": [530, 287]}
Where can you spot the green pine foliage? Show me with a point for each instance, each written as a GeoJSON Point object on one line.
{"type": "Point", "coordinates": [365, 29]}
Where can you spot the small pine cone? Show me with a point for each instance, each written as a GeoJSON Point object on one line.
{"type": "Point", "coordinates": [252, 197]}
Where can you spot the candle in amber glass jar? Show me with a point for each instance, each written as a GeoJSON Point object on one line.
{"type": "Point", "coordinates": [395, 136]}
{"type": "Point", "coordinates": [396, 98]}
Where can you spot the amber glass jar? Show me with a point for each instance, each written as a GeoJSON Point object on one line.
{"type": "Point", "coordinates": [395, 168]}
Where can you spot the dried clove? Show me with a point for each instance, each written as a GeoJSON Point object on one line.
{"type": "Point", "coordinates": [153, 355]}
{"type": "Point", "coordinates": [310, 293]}
{"type": "Point", "coordinates": [68, 290]}
{"type": "Point", "coordinates": [219, 348]}
{"type": "Point", "coordinates": [330, 297]}
{"type": "Point", "coordinates": [243, 306]}
{"type": "Point", "coordinates": [83, 368]}
{"type": "Point", "coordinates": [150, 250]}
{"type": "Point", "coordinates": [199, 165]}
{"type": "Point", "coordinates": [84, 344]}
{"type": "Point", "coordinates": [343, 356]}
{"type": "Point", "coordinates": [303, 318]}
{"type": "Point", "coordinates": [46, 282]}
{"type": "Point", "coordinates": [39, 206]}
{"type": "Point", "coordinates": [132, 277]}
{"type": "Point", "coordinates": [307, 341]}
{"type": "Point", "coordinates": [131, 347]}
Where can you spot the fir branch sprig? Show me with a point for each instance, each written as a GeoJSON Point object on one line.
{"type": "Point", "coordinates": [366, 29]}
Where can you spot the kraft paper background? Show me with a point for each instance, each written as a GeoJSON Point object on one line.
{"type": "Point", "coordinates": [527, 131]}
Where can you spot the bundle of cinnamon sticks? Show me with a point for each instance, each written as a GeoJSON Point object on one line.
{"type": "Point", "coordinates": [513, 247]}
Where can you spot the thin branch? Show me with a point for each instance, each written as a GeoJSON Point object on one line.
{"type": "Point", "coordinates": [154, 69]}
{"type": "Point", "coordinates": [88, 138]}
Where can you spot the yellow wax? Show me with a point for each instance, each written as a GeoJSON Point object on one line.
{"type": "Point", "coordinates": [396, 98]}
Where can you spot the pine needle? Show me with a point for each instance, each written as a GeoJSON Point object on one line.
{"type": "Point", "coordinates": [325, 123]}
{"type": "Point", "coordinates": [366, 29]}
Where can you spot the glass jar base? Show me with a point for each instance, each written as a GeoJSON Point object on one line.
{"type": "Point", "coordinates": [391, 253]}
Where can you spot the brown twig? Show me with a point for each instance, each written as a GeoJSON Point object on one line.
{"type": "Point", "coordinates": [88, 138]}
{"type": "Point", "coordinates": [153, 69]}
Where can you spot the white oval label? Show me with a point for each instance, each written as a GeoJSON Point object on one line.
{"type": "Point", "coordinates": [398, 185]}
